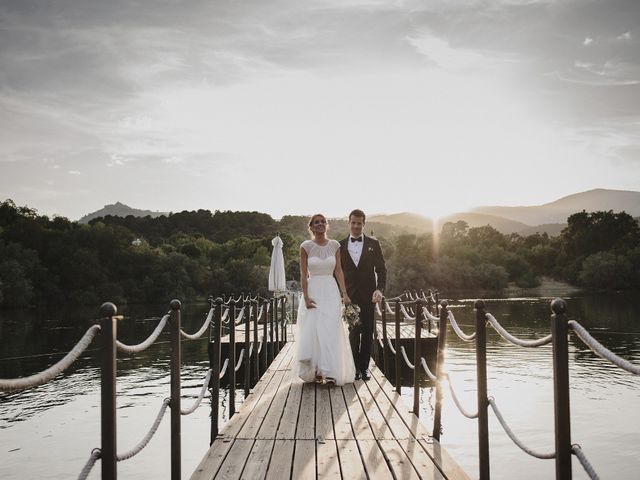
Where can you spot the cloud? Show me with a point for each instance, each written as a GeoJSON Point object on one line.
{"type": "Point", "coordinates": [73, 172]}
{"type": "Point", "coordinates": [587, 41]}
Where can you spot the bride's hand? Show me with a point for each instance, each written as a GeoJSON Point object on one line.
{"type": "Point", "coordinates": [309, 303]}
{"type": "Point", "coordinates": [346, 300]}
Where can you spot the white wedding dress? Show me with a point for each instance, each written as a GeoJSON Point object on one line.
{"type": "Point", "coordinates": [322, 342]}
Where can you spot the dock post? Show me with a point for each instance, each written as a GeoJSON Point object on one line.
{"type": "Point", "coordinates": [247, 346]}
{"type": "Point", "coordinates": [385, 347]}
{"type": "Point", "coordinates": [483, 401]}
{"type": "Point", "coordinates": [283, 323]}
{"type": "Point", "coordinates": [417, 354]}
{"type": "Point", "coordinates": [109, 329]}
{"type": "Point", "coordinates": [271, 318]}
{"type": "Point", "coordinates": [265, 334]}
{"type": "Point", "coordinates": [398, 344]}
{"type": "Point", "coordinates": [562, 415]}
{"type": "Point", "coordinates": [276, 347]}
{"type": "Point", "coordinates": [215, 374]}
{"type": "Point", "coordinates": [256, 365]}
{"type": "Point", "coordinates": [231, 368]}
{"type": "Point", "coordinates": [176, 435]}
{"type": "Point", "coordinates": [442, 336]}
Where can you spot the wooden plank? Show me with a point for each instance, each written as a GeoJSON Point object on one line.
{"type": "Point", "coordinates": [210, 464]}
{"type": "Point", "coordinates": [373, 460]}
{"type": "Point", "coordinates": [289, 420]}
{"type": "Point", "coordinates": [359, 423]}
{"type": "Point", "coordinates": [281, 463]}
{"type": "Point", "coordinates": [374, 415]}
{"type": "Point", "coordinates": [256, 466]}
{"type": "Point", "coordinates": [327, 459]}
{"type": "Point", "coordinates": [215, 457]}
{"type": "Point", "coordinates": [235, 423]}
{"type": "Point", "coordinates": [341, 421]}
{"type": "Point", "coordinates": [398, 460]}
{"type": "Point", "coordinates": [234, 462]}
{"type": "Point", "coordinates": [270, 424]}
{"type": "Point", "coordinates": [304, 460]}
{"type": "Point", "coordinates": [442, 459]}
{"type": "Point", "coordinates": [350, 460]}
{"type": "Point", "coordinates": [324, 420]}
{"type": "Point", "coordinates": [306, 417]}
{"type": "Point", "coordinates": [258, 414]}
{"type": "Point", "coordinates": [421, 462]}
{"type": "Point", "coordinates": [416, 427]}
{"type": "Point", "coordinates": [445, 462]}
{"type": "Point", "coordinates": [399, 429]}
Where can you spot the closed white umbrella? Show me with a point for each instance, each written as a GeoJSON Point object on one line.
{"type": "Point", "coordinates": [277, 281]}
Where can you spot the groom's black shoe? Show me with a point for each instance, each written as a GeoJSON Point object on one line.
{"type": "Point", "coordinates": [366, 375]}
{"type": "Point", "coordinates": [358, 376]}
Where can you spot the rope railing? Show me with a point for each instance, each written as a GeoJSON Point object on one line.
{"type": "Point", "coordinates": [577, 451]}
{"type": "Point", "coordinates": [406, 314]}
{"type": "Point", "coordinates": [427, 314]}
{"type": "Point", "coordinates": [406, 359]}
{"type": "Point", "coordinates": [274, 314]}
{"type": "Point", "coordinates": [600, 350]}
{"type": "Point", "coordinates": [513, 436]}
{"type": "Point", "coordinates": [202, 330]}
{"type": "Point", "coordinates": [223, 370]}
{"type": "Point", "coordinates": [15, 384]}
{"type": "Point", "coordinates": [240, 360]}
{"type": "Point", "coordinates": [225, 315]}
{"type": "Point", "coordinates": [515, 340]}
{"type": "Point", "coordinates": [145, 440]}
{"type": "Point", "coordinates": [452, 320]}
{"type": "Point", "coordinates": [426, 369]}
{"type": "Point", "coordinates": [462, 410]}
{"type": "Point", "coordinates": [203, 391]}
{"type": "Point", "coordinates": [146, 343]}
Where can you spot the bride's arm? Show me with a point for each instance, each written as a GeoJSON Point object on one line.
{"type": "Point", "coordinates": [340, 277]}
{"type": "Point", "coordinates": [304, 278]}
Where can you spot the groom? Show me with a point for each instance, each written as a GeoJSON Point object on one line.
{"type": "Point", "coordinates": [365, 275]}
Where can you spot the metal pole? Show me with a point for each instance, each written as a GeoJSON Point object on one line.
{"type": "Point", "coordinates": [417, 354]}
{"type": "Point", "coordinates": [562, 414]}
{"type": "Point", "coordinates": [215, 374]}
{"type": "Point", "coordinates": [483, 402]}
{"type": "Point", "coordinates": [256, 366]}
{"type": "Point", "coordinates": [271, 318]}
{"type": "Point", "coordinates": [109, 328]}
{"type": "Point", "coordinates": [232, 359]}
{"type": "Point", "coordinates": [175, 390]}
{"type": "Point", "coordinates": [398, 344]}
{"type": "Point", "coordinates": [265, 337]}
{"type": "Point", "coordinates": [276, 329]}
{"type": "Point", "coordinates": [442, 336]}
{"type": "Point", "coordinates": [385, 348]}
{"type": "Point", "coordinates": [247, 346]}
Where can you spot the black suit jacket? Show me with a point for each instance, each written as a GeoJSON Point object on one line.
{"type": "Point", "coordinates": [369, 275]}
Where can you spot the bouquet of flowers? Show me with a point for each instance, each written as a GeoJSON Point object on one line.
{"type": "Point", "coordinates": [351, 315]}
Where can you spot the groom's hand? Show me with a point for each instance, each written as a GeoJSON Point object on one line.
{"type": "Point", "coordinates": [377, 296]}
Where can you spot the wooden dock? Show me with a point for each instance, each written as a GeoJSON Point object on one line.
{"type": "Point", "coordinates": [289, 429]}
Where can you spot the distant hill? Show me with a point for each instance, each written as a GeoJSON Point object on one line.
{"type": "Point", "coordinates": [120, 210]}
{"type": "Point", "coordinates": [559, 210]}
{"type": "Point", "coordinates": [406, 221]}
{"type": "Point", "coordinates": [501, 224]}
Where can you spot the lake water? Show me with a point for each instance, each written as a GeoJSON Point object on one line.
{"type": "Point", "coordinates": [49, 431]}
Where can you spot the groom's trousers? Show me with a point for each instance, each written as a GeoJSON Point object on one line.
{"type": "Point", "coordinates": [361, 337]}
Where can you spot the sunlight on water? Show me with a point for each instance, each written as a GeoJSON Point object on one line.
{"type": "Point", "coordinates": [49, 431]}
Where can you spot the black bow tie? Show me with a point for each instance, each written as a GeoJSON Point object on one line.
{"type": "Point", "coordinates": [359, 239]}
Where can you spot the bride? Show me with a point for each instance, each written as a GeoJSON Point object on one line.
{"type": "Point", "coordinates": [323, 351]}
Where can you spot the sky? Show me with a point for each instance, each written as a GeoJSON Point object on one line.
{"type": "Point", "coordinates": [293, 107]}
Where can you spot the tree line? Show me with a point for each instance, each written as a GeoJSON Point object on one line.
{"type": "Point", "coordinates": [192, 254]}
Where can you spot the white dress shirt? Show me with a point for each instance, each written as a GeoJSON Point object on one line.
{"type": "Point", "coordinates": [355, 249]}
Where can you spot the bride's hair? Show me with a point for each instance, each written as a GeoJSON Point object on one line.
{"type": "Point", "coordinates": [311, 220]}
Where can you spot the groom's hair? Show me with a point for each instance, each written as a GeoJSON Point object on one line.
{"type": "Point", "coordinates": [357, 213]}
